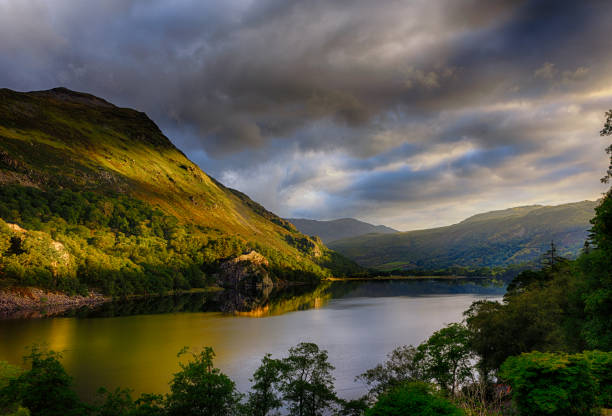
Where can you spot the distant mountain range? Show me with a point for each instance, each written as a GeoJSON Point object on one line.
{"type": "Point", "coordinates": [496, 238]}
{"type": "Point", "coordinates": [338, 229]}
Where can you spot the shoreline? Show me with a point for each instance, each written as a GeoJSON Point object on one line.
{"type": "Point", "coordinates": [398, 277]}
{"type": "Point", "coordinates": [35, 303]}
{"type": "Point", "coordinates": [32, 302]}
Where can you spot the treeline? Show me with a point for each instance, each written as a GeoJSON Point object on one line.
{"type": "Point", "coordinates": [505, 273]}
{"type": "Point", "coordinates": [72, 241]}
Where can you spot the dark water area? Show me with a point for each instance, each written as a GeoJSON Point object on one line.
{"type": "Point", "coordinates": [133, 343]}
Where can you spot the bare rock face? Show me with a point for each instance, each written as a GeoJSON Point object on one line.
{"type": "Point", "coordinates": [246, 270]}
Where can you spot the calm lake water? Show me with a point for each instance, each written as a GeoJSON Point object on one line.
{"type": "Point", "coordinates": [134, 344]}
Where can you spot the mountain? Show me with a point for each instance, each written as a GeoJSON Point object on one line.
{"type": "Point", "coordinates": [338, 229]}
{"type": "Point", "coordinates": [497, 238]}
{"type": "Point", "coordinates": [93, 195]}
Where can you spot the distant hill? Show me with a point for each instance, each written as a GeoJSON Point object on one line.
{"type": "Point", "coordinates": [94, 195]}
{"type": "Point", "coordinates": [338, 229]}
{"type": "Point", "coordinates": [496, 238]}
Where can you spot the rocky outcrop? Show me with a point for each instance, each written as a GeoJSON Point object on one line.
{"type": "Point", "coordinates": [60, 262]}
{"type": "Point", "coordinates": [246, 270]}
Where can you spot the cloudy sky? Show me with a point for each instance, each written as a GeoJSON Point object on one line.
{"type": "Point", "coordinates": [409, 113]}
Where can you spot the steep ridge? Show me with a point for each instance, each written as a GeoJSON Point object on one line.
{"type": "Point", "coordinates": [338, 229]}
{"type": "Point", "coordinates": [496, 238]}
{"type": "Point", "coordinates": [82, 170]}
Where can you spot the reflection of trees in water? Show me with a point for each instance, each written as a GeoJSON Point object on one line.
{"type": "Point", "coordinates": [188, 302]}
{"type": "Point", "coordinates": [417, 287]}
{"type": "Point", "coordinates": [275, 302]}
{"type": "Point", "coordinates": [246, 302]}
{"type": "Point", "coordinates": [267, 301]}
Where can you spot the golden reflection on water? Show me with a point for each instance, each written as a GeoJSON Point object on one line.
{"type": "Point", "coordinates": [255, 313]}
{"type": "Point", "coordinates": [311, 300]}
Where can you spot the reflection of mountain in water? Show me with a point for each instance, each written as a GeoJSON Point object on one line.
{"type": "Point", "coordinates": [260, 303]}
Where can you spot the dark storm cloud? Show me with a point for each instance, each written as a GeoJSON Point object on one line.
{"type": "Point", "coordinates": [246, 73]}
{"type": "Point", "coordinates": [332, 108]}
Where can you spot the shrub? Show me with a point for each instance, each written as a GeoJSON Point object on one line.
{"type": "Point", "coordinates": [200, 389]}
{"type": "Point", "coordinates": [45, 389]}
{"type": "Point", "coordinates": [414, 399]}
{"type": "Point", "coordinates": [550, 384]}
{"type": "Point", "coordinates": [601, 369]}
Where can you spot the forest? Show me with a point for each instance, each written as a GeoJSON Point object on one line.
{"type": "Point", "coordinates": [72, 241]}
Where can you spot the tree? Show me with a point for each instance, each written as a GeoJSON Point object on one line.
{"type": "Point", "coordinates": [414, 398]}
{"type": "Point", "coordinates": [8, 406]}
{"type": "Point", "coordinates": [607, 131]}
{"type": "Point", "coordinates": [356, 407]}
{"type": "Point", "coordinates": [446, 357]}
{"type": "Point", "coordinates": [307, 382]}
{"type": "Point", "coordinates": [116, 403]}
{"type": "Point", "coordinates": [526, 279]}
{"type": "Point", "coordinates": [531, 320]}
{"type": "Point", "coordinates": [400, 367]}
{"type": "Point", "coordinates": [596, 267]}
{"type": "Point", "coordinates": [149, 405]}
{"type": "Point", "coordinates": [550, 259]}
{"type": "Point", "coordinates": [7, 373]}
{"type": "Point", "coordinates": [551, 384]}
{"type": "Point", "coordinates": [45, 389]}
{"type": "Point", "coordinates": [119, 403]}
{"type": "Point", "coordinates": [20, 411]}
{"type": "Point", "coordinates": [264, 396]}
{"type": "Point", "coordinates": [199, 389]}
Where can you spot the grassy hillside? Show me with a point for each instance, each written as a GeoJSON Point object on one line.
{"type": "Point", "coordinates": [497, 238]}
{"type": "Point", "coordinates": [338, 229]}
{"type": "Point", "coordinates": [95, 195]}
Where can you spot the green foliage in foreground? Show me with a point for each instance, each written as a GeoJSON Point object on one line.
{"type": "Point", "coordinates": [444, 360]}
{"type": "Point", "coordinates": [264, 397]}
{"type": "Point", "coordinates": [301, 383]}
{"type": "Point", "coordinates": [551, 384]}
{"type": "Point", "coordinates": [44, 390]}
{"type": "Point", "coordinates": [414, 399]}
{"type": "Point", "coordinates": [7, 373]}
{"type": "Point", "coordinates": [201, 389]}
{"type": "Point", "coordinates": [600, 365]}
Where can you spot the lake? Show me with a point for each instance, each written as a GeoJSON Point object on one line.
{"type": "Point", "coordinates": [134, 343]}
